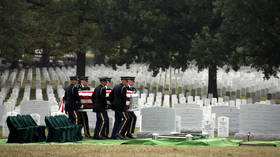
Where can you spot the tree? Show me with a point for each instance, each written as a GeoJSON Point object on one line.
{"type": "Point", "coordinates": [71, 27]}
{"type": "Point", "coordinates": [252, 28]}
{"type": "Point", "coordinates": [13, 26]}
{"type": "Point", "coordinates": [164, 34]}
{"type": "Point", "coordinates": [209, 52]}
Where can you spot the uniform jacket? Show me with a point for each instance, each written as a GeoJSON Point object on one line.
{"type": "Point", "coordinates": [71, 97]}
{"type": "Point", "coordinates": [117, 98]}
{"type": "Point", "coordinates": [99, 99]}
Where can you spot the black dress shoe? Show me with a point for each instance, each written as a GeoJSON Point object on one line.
{"type": "Point", "coordinates": [98, 137]}
{"type": "Point", "coordinates": [129, 136]}
{"type": "Point", "coordinates": [114, 137]}
{"type": "Point", "coordinates": [87, 136]}
{"type": "Point", "coordinates": [119, 136]}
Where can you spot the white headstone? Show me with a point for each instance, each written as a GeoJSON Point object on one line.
{"type": "Point", "coordinates": [3, 112]}
{"type": "Point", "coordinates": [208, 126]}
{"type": "Point", "coordinates": [207, 102]}
{"type": "Point", "coordinates": [158, 119]}
{"type": "Point", "coordinates": [190, 99]}
{"type": "Point", "coordinates": [166, 101]}
{"type": "Point", "coordinates": [35, 106]}
{"type": "Point", "coordinates": [232, 113]}
{"type": "Point", "coordinates": [191, 117]}
{"type": "Point", "coordinates": [238, 103]}
{"type": "Point", "coordinates": [178, 124]}
{"type": "Point", "coordinates": [214, 101]}
{"type": "Point", "coordinates": [182, 100]}
{"type": "Point", "coordinates": [223, 126]}
{"type": "Point", "coordinates": [232, 103]}
{"type": "Point", "coordinates": [243, 101]}
{"type": "Point", "coordinates": [36, 117]}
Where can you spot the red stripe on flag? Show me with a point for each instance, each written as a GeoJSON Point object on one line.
{"type": "Point", "coordinates": [85, 97]}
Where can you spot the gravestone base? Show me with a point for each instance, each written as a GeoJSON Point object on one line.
{"type": "Point", "coordinates": [146, 134]}
{"type": "Point", "coordinates": [265, 137]}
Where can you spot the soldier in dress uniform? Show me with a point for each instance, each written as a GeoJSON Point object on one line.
{"type": "Point", "coordinates": [117, 98]}
{"type": "Point", "coordinates": [100, 105]}
{"type": "Point", "coordinates": [131, 127]}
{"type": "Point", "coordinates": [84, 117]}
{"type": "Point", "coordinates": [107, 86]}
{"type": "Point", "coordinates": [72, 101]}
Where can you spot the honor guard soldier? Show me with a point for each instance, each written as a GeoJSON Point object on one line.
{"type": "Point", "coordinates": [83, 115]}
{"type": "Point", "coordinates": [107, 86]}
{"type": "Point", "coordinates": [131, 127]}
{"type": "Point", "coordinates": [72, 100]}
{"type": "Point", "coordinates": [117, 98]}
{"type": "Point", "coordinates": [100, 105]}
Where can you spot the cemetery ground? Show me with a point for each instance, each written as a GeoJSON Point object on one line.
{"type": "Point", "coordinates": [77, 149]}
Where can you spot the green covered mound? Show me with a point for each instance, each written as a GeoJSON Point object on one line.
{"type": "Point", "coordinates": [161, 142]}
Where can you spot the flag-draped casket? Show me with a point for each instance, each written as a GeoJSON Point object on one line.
{"type": "Point", "coordinates": [85, 96]}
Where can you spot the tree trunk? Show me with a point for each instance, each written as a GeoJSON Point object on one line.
{"type": "Point", "coordinates": [45, 60]}
{"type": "Point", "coordinates": [212, 80]}
{"type": "Point", "coordinates": [81, 64]}
{"type": "Point", "coordinates": [99, 59]}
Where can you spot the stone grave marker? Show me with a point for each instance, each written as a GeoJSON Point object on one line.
{"type": "Point", "coordinates": [158, 120]}
{"type": "Point", "coordinates": [207, 102]}
{"type": "Point", "coordinates": [232, 103]}
{"type": "Point", "coordinates": [35, 106]}
{"type": "Point", "coordinates": [208, 126]}
{"type": "Point", "coordinates": [190, 99]}
{"type": "Point", "coordinates": [91, 119]}
{"type": "Point", "coordinates": [191, 117]}
{"type": "Point", "coordinates": [232, 113]}
{"type": "Point", "coordinates": [3, 112]}
{"type": "Point", "coordinates": [178, 124]}
{"type": "Point", "coordinates": [261, 120]}
{"type": "Point", "coordinates": [166, 101]}
{"type": "Point", "coordinates": [36, 118]}
{"type": "Point", "coordinates": [183, 100]}
{"type": "Point", "coordinates": [238, 103]}
{"type": "Point", "coordinates": [214, 102]}
{"type": "Point", "coordinates": [243, 101]}
{"type": "Point", "coordinates": [196, 99]}
{"type": "Point", "coordinates": [223, 126]}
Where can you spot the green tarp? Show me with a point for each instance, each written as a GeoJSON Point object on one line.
{"type": "Point", "coordinates": [161, 141]}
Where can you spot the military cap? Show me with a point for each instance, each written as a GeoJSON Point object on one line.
{"type": "Point", "coordinates": [108, 78]}
{"type": "Point", "coordinates": [103, 78]}
{"type": "Point", "coordinates": [124, 78]}
{"type": "Point", "coordinates": [131, 78]}
{"type": "Point", "coordinates": [84, 78]}
{"type": "Point", "coordinates": [73, 78]}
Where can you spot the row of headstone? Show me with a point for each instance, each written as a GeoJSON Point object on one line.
{"type": "Point", "coordinates": [53, 76]}
{"type": "Point", "coordinates": [4, 93]}
{"type": "Point", "coordinates": [27, 90]}
{"type": "Point", "coordinates": [38, 75]}
{"type": "Point", "coordinates": [4, 77]}
{"type": "Point", "coordinates": [61, 74]}
{"type": "Point", "coordinates": [29, 75]}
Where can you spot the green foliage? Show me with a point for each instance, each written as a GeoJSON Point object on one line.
{"type": "Point", "coordinates": [253, 27]}
{"type": "Point", "coordinates": [12, 29]}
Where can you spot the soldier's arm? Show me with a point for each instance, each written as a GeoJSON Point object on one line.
{"type": "Point", "coordinates": [111, 96]}
{"type": "Point", "coordinates": [76, 94]}
{"type": "Point", "coordinates": [123, 95]}
{"type": "Point", "coordinates": [103, 94]}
